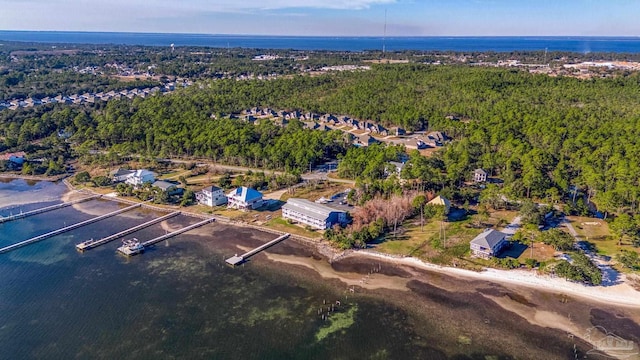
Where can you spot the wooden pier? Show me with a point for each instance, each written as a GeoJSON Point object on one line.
{"type": "Point", "coordinates": [45, 209]}
{"type": "Point", "coordinates": [237, 260]}
{"type": "Point", "coordinates": [177, 232]}
{"type": "Point", "coordinates": [66, 229]}
{"type": "Point", "coordinates": [90, 244]}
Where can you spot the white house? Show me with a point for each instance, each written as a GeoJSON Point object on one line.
{"type": "Point", "coordinates": [315, 215]}
{"type": "Point", "coordinates": [211, 196]}
{"type": "Point", "coordinates": [244, 198]}
{"type": "Point", "coordinates": [140, 177]}
{"type": "Point", "coordinates": [479, 175]}
{"type": "Point", "coordinates": [488, 244]}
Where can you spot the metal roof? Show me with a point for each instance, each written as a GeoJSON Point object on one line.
{"type": "Point", "coordinates": [489, 238]}
{"type": "Point", "coordinates": [309, 208]}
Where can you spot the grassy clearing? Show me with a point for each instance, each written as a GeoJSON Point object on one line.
{"type": "Point", "coordinates": [597, 233]}
{"type": "Point", "coordinates": [427, 243]}
{"type": "Point", "coordinates": [281, 224]}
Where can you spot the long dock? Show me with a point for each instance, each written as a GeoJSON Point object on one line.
{"type": "Point", "coordinates": [90, 244]}
{"type": "Point", "coordinates": [65, 229]}
{"type": "Point", "coordinates": [46, 209]}
{"type": "Point", "coordinates": [237, 260]}
{"type": "Point", "coordinates": [177, 232]}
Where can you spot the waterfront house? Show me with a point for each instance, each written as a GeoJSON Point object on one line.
{"type": "Point", "coordinates": [168, 187]}
{"type": "Point", "coordinates": [140, 177]}
{"type": "Point", "coordinates": [211, 196]}
{"type": "Point", "coordinates": [317, 216]}
{"type": "Point", "coordinates": [479, 175]}
{"type": "Point", "coordinates": [441, 201]}
{"type": "Point", "coordinates": [488, 244]}
{"type": "Point", "coordinates": [121, 175]}
{"type": "Point", "coordinates": [244, 198]}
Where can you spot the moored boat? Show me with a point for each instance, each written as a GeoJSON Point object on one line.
{"type": "Point", "coordinates": [131, 247]}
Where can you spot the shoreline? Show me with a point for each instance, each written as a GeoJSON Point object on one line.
{"type": "Point", "coordinates": [621, 294]}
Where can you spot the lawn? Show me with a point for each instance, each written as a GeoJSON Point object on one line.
{"type": "Point", "coordinates": [281, 224]}
{"type": "Point", "coordinates": [597, 233]}
{"type": "Point", "coordinates": [426, 243]}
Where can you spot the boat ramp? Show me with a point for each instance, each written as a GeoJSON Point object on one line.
{"type": "Point", "coordinates": [239, 259]}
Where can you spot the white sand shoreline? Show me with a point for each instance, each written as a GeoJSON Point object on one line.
{"type": "Point", "coordinates": [622, 294]}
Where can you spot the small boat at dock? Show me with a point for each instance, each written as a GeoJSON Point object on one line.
{"type": "Point", "coordinates": [131, 247]}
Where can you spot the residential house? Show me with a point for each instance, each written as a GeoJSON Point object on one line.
{"type": "Point", "coordinates": [396, 167]}
{"type": "Point", "coordinates": [441, 201]}
{"type": "Point", "coordinates": [121, 175]}
{"type": "Point", "coordinates": [244, 198]}
{"type": "Point", "coordinates": [140, 177]}
{"type": "Point", "coordinates": [479, 176]}
{"type": "Point", "coordinates": [169, 187]}
{"type": "Point", "coordinates": [437, 138]}
{"type": "Point", "coordinates": [364, 140]}
{"type": "Point", "coordinates": [16, 158]}
{"type": "Point", "coordinates": [211, 196]}
{"type": "Point", "coordinates": [317, 216]}
{"type": "Point", "coordinates": [488, 244]}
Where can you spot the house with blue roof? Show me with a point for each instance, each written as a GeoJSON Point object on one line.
{"type": "Point", "coordinates": [244, 198]}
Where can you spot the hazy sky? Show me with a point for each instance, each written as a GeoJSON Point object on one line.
{"type": "Point", "coordinates": [328, 17]}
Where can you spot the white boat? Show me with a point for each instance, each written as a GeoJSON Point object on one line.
{"type": "Point", "coordinates": [131, 247]}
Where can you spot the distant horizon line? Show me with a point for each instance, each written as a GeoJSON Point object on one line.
{"type": "Point", "coordinates": [319, 36]}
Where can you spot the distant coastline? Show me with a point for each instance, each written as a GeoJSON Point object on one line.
{"type": "Point", "coordinates": [577, 44]}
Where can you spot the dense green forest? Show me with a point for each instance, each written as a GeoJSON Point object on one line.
{"type": "Point", "coordinates": [542, 135]}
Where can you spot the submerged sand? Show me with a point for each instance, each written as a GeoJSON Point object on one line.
{"type": "Point", "coordinates": [516, 304]}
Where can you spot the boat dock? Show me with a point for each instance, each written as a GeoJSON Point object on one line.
{"type": "Point", "coordinates": [177, 232]}
{"type": "Point", "coordinates": [66, 229]}
{"type": "Point", "coordinates": [46, 209]}
{"type": "Point", "coordinates": [237, 260]}
{"type": "Point", "coordinates": [90, 244]}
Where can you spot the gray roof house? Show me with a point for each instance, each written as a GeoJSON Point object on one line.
{"type": "Point", "coordinates": [488, 244]}
{"type": "Point", "coordinates": [314, 215]}
{"type": "Point", "coordinates": [168, 187]}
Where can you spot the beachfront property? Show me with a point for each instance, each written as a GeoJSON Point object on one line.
{"type": "Point", "coordinates": [441, 201]}
{"type": "Point", "coordinates": [211, 196]}
{"type": "Point", "coordinates": [317, 216]}
{"type": "Point", "coordinates": [244, 198]}
{"type": "Point", "coordinates": [479, 176]}
{"type": "Point", "coordinates": [488, 244]}
{"type": "Point", "coordinates": [140, 177]}
{"type": "Point", "coordinates": [120, 175]}
{"type": "Point", "coordinates": [168, 187]}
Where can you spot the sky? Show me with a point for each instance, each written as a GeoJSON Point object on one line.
{"type": "Point", "coordinates": [330, 17]}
